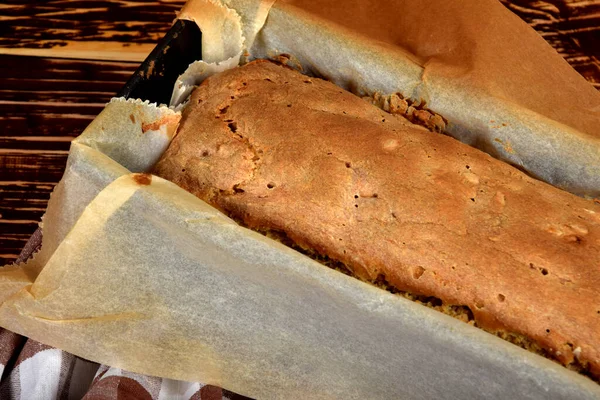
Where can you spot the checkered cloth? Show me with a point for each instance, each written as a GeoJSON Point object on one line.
{"type": "Point", "coordinates": [30, 371]}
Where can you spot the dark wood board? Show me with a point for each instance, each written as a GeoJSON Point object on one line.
{"type": "Point", "coordinates": [62, 60]}
{"type": "Point", "coordinates": [572, 27]}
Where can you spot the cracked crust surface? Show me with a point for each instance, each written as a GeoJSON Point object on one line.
{"type": "Point", "coordinates": [393, 202]}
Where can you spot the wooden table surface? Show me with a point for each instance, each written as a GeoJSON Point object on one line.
{"type": "Point", "coordinates": [61, 61]}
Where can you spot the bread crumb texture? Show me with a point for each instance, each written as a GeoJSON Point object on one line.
{"type": "Point", "coordinates": [414, 212]}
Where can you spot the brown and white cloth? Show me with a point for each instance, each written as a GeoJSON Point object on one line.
{"type": "Point", "coordinates": [33, 371]}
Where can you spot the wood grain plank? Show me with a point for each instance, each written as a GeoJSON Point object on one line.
{"type": "Point", "coordinates": [34, 84]}
{"type": "Point", "coordinates": [24, 202]}
{"type": "Point", "coordinates": [44, 124]}
{"type": "Point", "coordinates": [70, 96]}
{"type": "Point", "coordinates": [105, 29]}
{"type": "Point", "coordinates": [68, 70]}
{"type": "Point", "coordinates": [32, 165]}
{"type": "Point", "coordinates": [88, 50]}
{"type": "Point", "coordinates": [572, 27]}
{"type": "Point", "coordinates": [35, 143]}
{"type": "Point", "coordinates": [8, 107]}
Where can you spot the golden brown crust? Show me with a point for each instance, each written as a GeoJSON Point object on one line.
{"type": "Point", "coordinates": [390, 200]}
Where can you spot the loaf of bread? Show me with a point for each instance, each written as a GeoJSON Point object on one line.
{"type": "Point", "coordinates": [414, 211]}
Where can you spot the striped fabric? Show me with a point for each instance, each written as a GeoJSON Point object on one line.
{"type": "Point", "coordinates": [30, 371]}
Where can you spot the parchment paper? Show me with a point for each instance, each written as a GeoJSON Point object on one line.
{"type": "Point", "coordinates": [138, 274]}
{"type": "Point", "coordinates": [193, 296]}
{"type": "Point", "coordinates": [228, 30]}
{"type": "Point", "coordinates": [501, 87]}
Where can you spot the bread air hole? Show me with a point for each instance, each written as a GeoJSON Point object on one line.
{"type": "Point", "coordinates": [543, 271]}
{"type": "Point", "coordinates": [238, 189]}
{"type": "Point", "coordinates": [270, 185]}
{"type": "Point", "coordinates": [418, 272]}
{"type": "Point", "coordinates": [573, 239]}
{"type": "Point", "coordinates": [501, 297]}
